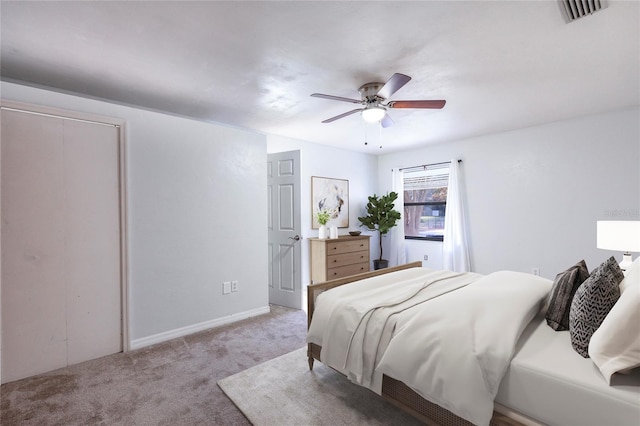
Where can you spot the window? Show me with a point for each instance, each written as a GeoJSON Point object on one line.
{"type": "Point", "coordinates": [425, 202]}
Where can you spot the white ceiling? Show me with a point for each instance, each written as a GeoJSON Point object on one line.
{"type": "Point", "coordinates": [500, 65]}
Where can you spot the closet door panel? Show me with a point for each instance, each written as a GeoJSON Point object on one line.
{"type": "Point", "coordinates": [33, 284]}
{"type": "Point", "coordinates": [92, 245]}
{"type": "Point", "coordinates": [92, 251]}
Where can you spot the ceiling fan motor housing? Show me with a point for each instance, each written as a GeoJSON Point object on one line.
{"type": "Point", "coordinates": [369, 93]}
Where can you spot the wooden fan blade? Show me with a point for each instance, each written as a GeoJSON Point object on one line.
{"type": "Point", "coordinates": [337, 117]}
{"type": "Point", "coordinates": [417, 104]}
{"type": "Point", "coordinates": [393, 85]}
{"type": "Point", "coordinates": [336, 98]}
{"type": "Point", "coordinates": [386, 121]}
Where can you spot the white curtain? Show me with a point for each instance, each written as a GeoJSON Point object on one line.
{"type": "Point", "coordinates": [455, 247]}
{"type": "Point", "coordinates": [397, 255]}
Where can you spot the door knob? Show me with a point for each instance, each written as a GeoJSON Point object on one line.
{"type": "Point", "coordinates": [296, 238]}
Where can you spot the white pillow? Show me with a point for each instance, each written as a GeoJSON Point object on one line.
{"type": "Point", "coordinates": [615, 345]}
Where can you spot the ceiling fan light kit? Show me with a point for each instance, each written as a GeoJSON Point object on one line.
{"type": "Point", "coordinates": [375, 101]}
{"type": "Point", "coordinates": [373, 114]}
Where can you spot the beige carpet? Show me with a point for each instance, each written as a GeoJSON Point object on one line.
{"type": "Point", "coordinates": [283, 391]}
{"type": "Point", "coordinates": [169, 384]}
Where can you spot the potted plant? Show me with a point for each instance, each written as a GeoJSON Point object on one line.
{"type": "Point", "coordinates": [381, 216]}
{"type": "Point", "coordinates": [323, 217]}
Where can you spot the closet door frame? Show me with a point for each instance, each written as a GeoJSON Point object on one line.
{"type": "Point", "coordinates": [122, 190]}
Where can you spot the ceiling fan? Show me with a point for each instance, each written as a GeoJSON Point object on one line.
{"type": "Point", "coordinates": [375, 101]}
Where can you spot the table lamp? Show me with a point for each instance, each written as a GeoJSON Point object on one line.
{"type": "Point", "coordinates": [619, 235]}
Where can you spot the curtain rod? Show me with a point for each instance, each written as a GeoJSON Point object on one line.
{"type": "Point", "coordinates": [424, 166]}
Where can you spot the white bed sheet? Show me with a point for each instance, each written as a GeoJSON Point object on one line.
{"type": "Point", "coordinates": [549, 382]}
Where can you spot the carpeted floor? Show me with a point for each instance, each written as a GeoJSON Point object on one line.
{"type": "Point", "coordinates": [172, 383]}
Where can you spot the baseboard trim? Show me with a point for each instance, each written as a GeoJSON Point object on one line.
{"type": "Point", "coordinates": [190, 329]}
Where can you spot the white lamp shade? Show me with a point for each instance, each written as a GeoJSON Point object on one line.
{"type": "Point", "coordinates": [619, 235]}
{"type": "Point", "coordinates": [373, 114]}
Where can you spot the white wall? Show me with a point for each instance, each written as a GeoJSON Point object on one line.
{"type": "Point", "coordinates": [534, 195]}
{"type": "Point", "coordinates": [319, 160]}
{"type": "Point", "coordinates": [196, 216]}
{"type": "Point", "coordinates": [196, 194]}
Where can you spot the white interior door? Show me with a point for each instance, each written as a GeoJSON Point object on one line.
{"type": "Point", "coordinates": [61, 263]}
{"type": "Point", "coordinates": [285, 275]}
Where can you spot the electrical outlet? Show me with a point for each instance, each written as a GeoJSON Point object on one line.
{"type": "Point", "coordinates": [226, 287]}
{"type": "Point", "coordinates": [234, 285]}
{"type": "Point", "coordinates": [426, 257]}
{"type": "Point", "coordinates": [535, 271]}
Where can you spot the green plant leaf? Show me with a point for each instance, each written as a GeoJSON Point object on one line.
{"type": "Point", "coordinates": [381, 215]}
{"type": "Point", "coordinates": [323, 217]}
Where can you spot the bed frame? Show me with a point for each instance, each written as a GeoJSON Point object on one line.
{"type": "Point", "coordinates": [395, 391]}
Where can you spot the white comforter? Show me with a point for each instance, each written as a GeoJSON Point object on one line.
{"type": "Point", "coordinates": [448, 336]}
{"type": "Point", "coordinates": [353, 323]}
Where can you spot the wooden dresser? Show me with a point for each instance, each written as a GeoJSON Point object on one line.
{"type": "Point", "coordinates": [338, 257]}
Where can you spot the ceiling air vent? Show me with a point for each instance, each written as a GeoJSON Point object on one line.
{"type": "Point", "coordinates": [574, 9]}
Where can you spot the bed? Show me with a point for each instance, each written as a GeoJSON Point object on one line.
{"type": "Point", "coordinates": [535, 377]}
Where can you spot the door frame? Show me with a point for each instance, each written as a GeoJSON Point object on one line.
{"type": "Point", "coordinates": [120, 124]}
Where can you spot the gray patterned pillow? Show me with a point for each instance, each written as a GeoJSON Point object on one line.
{"type": "Point", "coordinates": [562, 292]}
{"type": "Point", "coordinates": [592, 302]}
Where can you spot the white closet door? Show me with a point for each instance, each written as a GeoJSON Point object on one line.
{"type": "Point", "coordinates": [92, 240]}
{"type": "Point", "coordinates": [34, 331]}
{"type": "Point", "coordinates": [61, 289]}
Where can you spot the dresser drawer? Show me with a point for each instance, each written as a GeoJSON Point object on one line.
{"type": "Point", "coordinates": [339, 247]}
{"type": "Point", "coordinates": [345, 271]}
{"type": "Point", "coordinates": [347, 258]}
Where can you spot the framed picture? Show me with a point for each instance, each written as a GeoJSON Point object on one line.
{"type": "Point", "coordinates": [331, 195]}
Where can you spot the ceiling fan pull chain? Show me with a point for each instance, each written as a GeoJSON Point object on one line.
{"type": "Point", "coordinates": [365, 133]}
